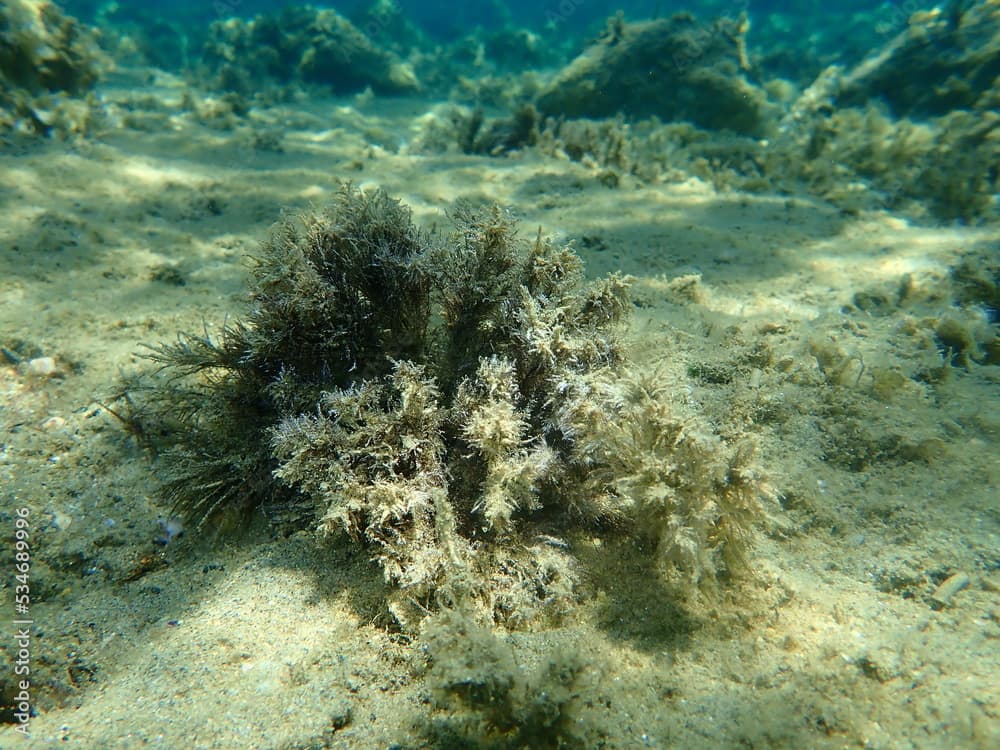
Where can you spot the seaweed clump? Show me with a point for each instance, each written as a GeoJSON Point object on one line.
{"type": "Point", "coordinates": [447, 402]}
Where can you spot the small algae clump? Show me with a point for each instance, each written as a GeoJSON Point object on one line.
{"type": "Point", "coordinates": [454, 404]}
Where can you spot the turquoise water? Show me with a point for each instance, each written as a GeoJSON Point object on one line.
{"type": "Point", "coordinates": [792, 40]}
{"type": "Point", "coordinates": [840, 29]}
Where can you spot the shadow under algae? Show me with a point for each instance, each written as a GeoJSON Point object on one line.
{"type": "Point", "coordinates": [454, 404]}
{"type": "Point", "coordinates": [482, 696]}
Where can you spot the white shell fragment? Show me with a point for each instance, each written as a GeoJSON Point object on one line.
{"type": "Point", "coordinates": [944, 593]}
{"type": "Point", "coordinates": [42, 367]}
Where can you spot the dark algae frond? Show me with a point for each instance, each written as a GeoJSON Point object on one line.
{"type": "Point", "coordinates": [453, 404]}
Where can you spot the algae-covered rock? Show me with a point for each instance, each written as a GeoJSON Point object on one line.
{"type": "Point", "coordinates": [944, 60]}
{"type": "Point", "coordinates": [675, 68]}
{"type": "Point", "coordinates": [42, 52]}
{"type": "Point", "coordinates": [303, 44]}
{"type": "Point", "coordinates": [943, 166]}
{"type": "Point", "coordinates": [939, 168]}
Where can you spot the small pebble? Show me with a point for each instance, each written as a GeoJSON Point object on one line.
{"type": "Point", "coordinates": [42, 367]}
{"type": "Point", "coordinates": [53, 423]}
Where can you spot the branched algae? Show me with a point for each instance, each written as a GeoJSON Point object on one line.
{"type": "Point", "coordinates": [454, 404]}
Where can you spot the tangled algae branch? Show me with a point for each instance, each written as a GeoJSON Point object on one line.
{"type": "Point", "coordinates": [451, 403]}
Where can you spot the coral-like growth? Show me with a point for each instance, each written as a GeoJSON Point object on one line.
{"type": "Point", "coordinates": [446, 402]}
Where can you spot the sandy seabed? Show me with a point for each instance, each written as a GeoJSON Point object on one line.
{"type": "Point", "coordinates": [882, 452]}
